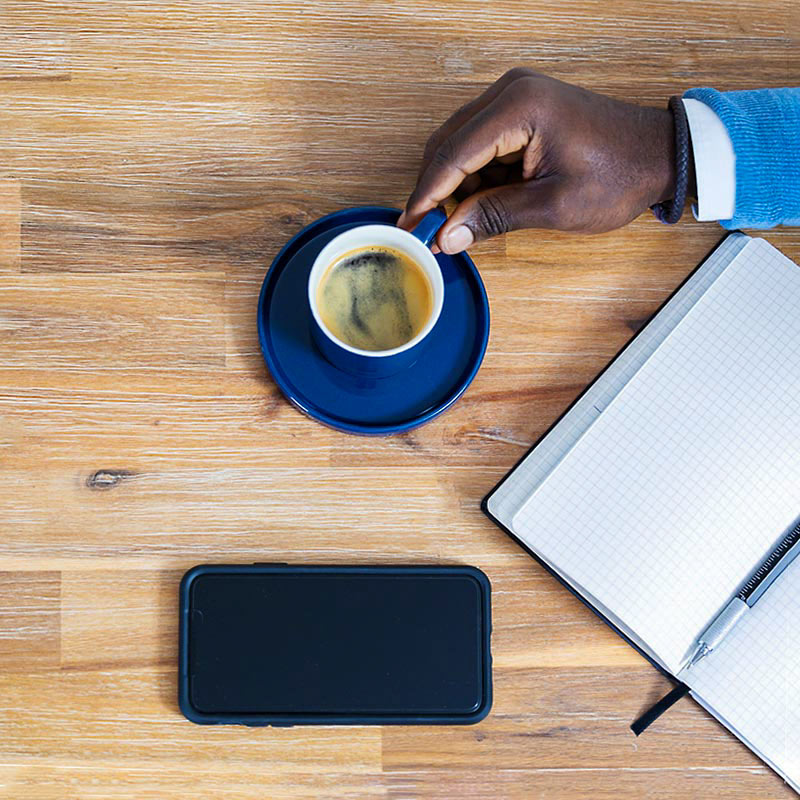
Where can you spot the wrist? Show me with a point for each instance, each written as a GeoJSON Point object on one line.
{"type": "Point", "coordinates": [663, 177]}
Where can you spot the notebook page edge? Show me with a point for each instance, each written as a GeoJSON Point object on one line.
{"type": "Point", "coordinates": [609, 615]}
{"type": "Point", "coordinates": [744, 740]}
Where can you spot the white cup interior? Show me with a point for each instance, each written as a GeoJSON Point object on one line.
{"type": "Point", "coordinates": [378, 236]}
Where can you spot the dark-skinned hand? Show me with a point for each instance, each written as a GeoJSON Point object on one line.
{"type": "Point", "coordinates": [535, 152]}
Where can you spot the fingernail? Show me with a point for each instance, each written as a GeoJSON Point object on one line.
{"type": "Point", "coordinates": [401, 220]}
{"type": "Point", "coordinates": [435, 249]}
{"type": "Point", "coordinates": [458, 239]}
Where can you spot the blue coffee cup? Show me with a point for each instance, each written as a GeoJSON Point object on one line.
{"type": "Point", "coordinates": [415, 245]}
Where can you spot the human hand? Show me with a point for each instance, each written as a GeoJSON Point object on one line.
{"type": "Point", "coordinates": [535, 152]}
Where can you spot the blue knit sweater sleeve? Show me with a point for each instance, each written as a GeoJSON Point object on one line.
{"type": "Point", "coordinates": [764, 126]}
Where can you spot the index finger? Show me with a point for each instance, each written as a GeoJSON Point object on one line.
{"type": "Point", "coordinates": [494, 131]}
{"type": "Point", "coordinates": [468, 110]}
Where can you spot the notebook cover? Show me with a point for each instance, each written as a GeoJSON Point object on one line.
{"type": "Point", "coordinates": [485, 501]}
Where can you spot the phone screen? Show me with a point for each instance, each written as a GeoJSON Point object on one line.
{"type": "Point", "coordinates": [357, 641]}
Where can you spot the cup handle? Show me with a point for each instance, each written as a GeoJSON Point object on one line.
{"type": "Point", "coordinates": [429, 225]}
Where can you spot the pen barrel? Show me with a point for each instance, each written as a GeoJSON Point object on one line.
{"type": "Point", "coordinates": [723, 623]}
{"type": "Point", "coordinates": [768, 572]}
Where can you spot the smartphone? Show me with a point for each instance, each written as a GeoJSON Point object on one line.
{"type": "Point", "coordinates": [273, 644]}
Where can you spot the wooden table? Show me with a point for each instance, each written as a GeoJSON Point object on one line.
{"type": "Point", "coordinates": [153, 158]}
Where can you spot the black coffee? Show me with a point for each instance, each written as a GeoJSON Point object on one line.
{"type": "Point", "coordinates": [376, 298]}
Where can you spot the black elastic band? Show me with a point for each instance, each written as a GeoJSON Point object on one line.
{"type": "Point", "coordinates": [653, 713]}
{"type": "Point", "coordinates": [670, 211]}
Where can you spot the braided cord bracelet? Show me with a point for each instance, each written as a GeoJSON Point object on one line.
{"type": "Point", "coordinates": [670, 211]}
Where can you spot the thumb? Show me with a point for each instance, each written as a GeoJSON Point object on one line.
{"type": "Point", "coordinates": [529, 204]}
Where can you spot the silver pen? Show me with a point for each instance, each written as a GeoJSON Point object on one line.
{"type": "Point", "coordinates": [748, 596]}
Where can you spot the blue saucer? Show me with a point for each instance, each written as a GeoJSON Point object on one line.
{"type": "Point", "coordinates": [376, 406]}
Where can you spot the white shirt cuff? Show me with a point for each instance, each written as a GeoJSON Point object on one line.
{"type": "Point", "coordinates": [714, 163]}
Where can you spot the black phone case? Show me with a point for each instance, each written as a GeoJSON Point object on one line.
{"type": "Point", "coordinates": [302, 718]}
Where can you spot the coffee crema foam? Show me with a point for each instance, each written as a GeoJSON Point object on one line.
{"type": "Point", "coordinates": [375, 298]}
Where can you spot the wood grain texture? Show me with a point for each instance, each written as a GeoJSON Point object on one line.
{"type": "Point", "coordinates": [10, 225]}
{"type": "Point", "coordinates": [153, 158]}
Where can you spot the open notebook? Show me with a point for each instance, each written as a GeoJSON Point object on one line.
{"type": "Point", "coordinates": [673, 476]}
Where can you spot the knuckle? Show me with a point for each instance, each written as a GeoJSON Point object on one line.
{"type": "Point", "coordinates": [491, 216]}
{"type": "Point", "coordinates": [444, 154]}
{"type": "Point", "coordinates": [524, 88]}
{"type": "Point", "coordinates": [515, 73]}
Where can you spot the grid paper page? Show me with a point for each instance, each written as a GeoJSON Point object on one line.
{"type": "Point", "coordinates": [506, 500]}
{"type": "Point", "coordinates": [751, 681]}
{"type": "Point", "coordinates": [689, 476]}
